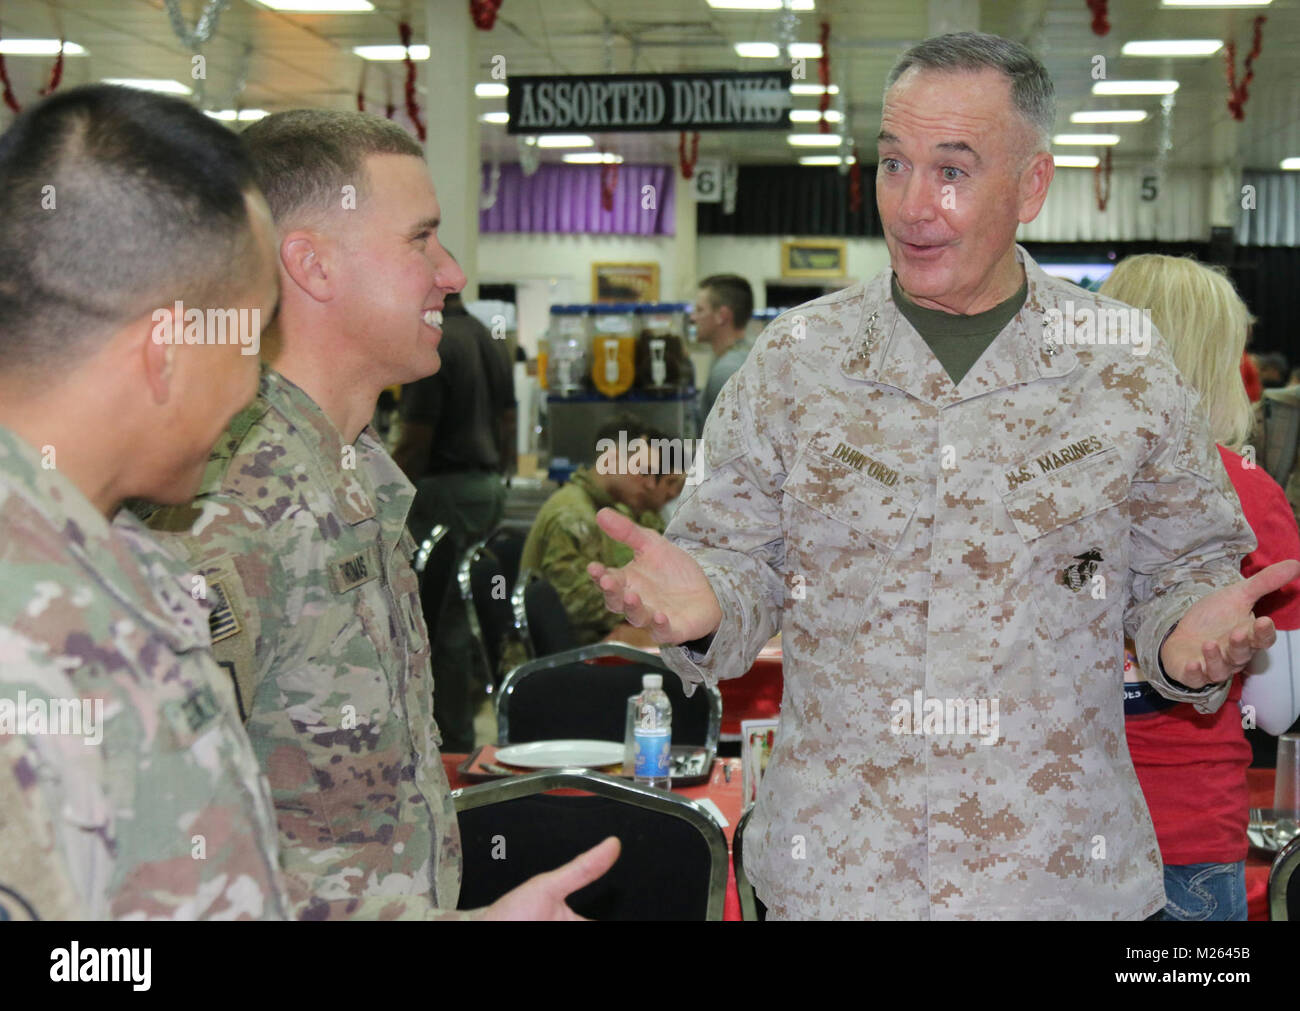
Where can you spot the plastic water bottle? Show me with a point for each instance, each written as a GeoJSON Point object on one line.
{"type": "Point", "coordinates": [652, 734]}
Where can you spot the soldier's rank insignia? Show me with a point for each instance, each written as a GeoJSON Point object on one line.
{"type": "Point", "coordinates": [223, 622]}
{"type": "Point", "coordinates": [1076, 576]}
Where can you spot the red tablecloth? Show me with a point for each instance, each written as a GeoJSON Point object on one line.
{"type": "Point", "coordinates": [717, 789]}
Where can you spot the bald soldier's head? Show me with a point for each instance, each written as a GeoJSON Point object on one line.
{"type": "Point", "coordinates": [964, 159]}
{"type": "Point", "coordinates": [132, 232]}
{"type": "Point", "coordinates": [364, 274]}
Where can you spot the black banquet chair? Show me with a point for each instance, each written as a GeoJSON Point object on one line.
{"type": "Point", "coordinates": [506, 542]}
{"type": "Point", "coordinates": [566, 696]}
{"type": "Point", "coordinates": [541, 622]}
{"type": "Point", "coordinates": [672, 866]}
{"type": "Point", "coordinates": [1284, 883]}
{"type": "Point", "coordinates": [751, 906]}
{"type": "Point", "coordinates": [435, 568]}
{"type": "Point", "coordinates": [486, 592]}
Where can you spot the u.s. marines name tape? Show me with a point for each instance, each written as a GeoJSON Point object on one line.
{"type": "Point", "coordinates": [627, 103]}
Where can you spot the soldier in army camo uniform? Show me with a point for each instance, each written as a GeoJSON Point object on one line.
{"type": "Point", "coordinates": [565, 538]}
{"type": "Point", "coordinates": [127, 785]}
{"type": "Point", "coordinates": [938, 496]}
{"type": "Point", "coordinates": [299, 529]}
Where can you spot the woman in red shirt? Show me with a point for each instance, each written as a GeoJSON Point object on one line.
{"type": "Point", "coordinates": [1192, 766]}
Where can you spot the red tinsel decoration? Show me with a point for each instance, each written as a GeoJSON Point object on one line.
{"type": "Point", "coordinates": [1100, 22]}
{"type": "Point", "coordinates": [608, 183]}
{"type": "Point", "coordinates": [412, 106]}
{"type": "Point", "coordinates": [824, 75]}
{"type": "Point", "coordinates": [484, 13]}
{"type": "Point", "coordinates": [389, 109]}
{"type": "Point", "coordinates": [688, 163]}
{"type": "Point", "coordinates": [56, 78]}
{"type": "Point", "coordinates": [1239, 93]}
{"type": "Point", "coordinates": [855, 183]}
{"type": "Point", "coordinates": [1101, 180]}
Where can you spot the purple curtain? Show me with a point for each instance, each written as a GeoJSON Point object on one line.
{"type": "Point", "coordinates": [566, 199]}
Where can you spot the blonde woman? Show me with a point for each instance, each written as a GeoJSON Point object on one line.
{"type": "Point", "coordinates": [1192, 766]}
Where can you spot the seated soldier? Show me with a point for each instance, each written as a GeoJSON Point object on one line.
{"type": "Point", "coordinates": [632, 475]}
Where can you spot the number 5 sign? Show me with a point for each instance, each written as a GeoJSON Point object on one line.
{"type": "Point", "coordinates": [706, 183]}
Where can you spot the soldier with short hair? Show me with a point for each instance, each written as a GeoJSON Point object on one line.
{"type": "Point", "coordinates": [953, 498]}
{"type": "Point", "coordinates": [300, 529]}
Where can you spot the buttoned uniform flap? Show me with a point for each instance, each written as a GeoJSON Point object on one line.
{"type": "Point", "coordinates": [858, 487]}
{"type": "Point", "coordinates": [1068, 494]}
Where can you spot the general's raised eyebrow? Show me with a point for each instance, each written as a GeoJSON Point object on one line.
{"type": "Point", "coordinates": [959, 145]}
{"type": "Point", "coordinates": [427, 225]}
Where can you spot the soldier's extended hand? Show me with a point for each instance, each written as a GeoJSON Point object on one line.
{"type": "Point", "coordinates": [1219, 634]}
{"type": "Point", "coordinates": [662, 588]}
{"type": "Point", "coordinates": [542, 897]}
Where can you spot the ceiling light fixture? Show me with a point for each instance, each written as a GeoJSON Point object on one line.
{"type": "Point", "coordinates": [1134, 87]}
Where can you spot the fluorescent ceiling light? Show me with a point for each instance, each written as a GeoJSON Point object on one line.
{"type": "Point", "coordinates": [420, 52]}
{"type": "Point", "coordinates": [813, 116]}
{"type": "Point", "coordinates": [805, 50]}
{"type": "Point", "coordinates": [38, 47]}
{"type": "Point", "coordinates": [161, 85]}
{"type": "Point", "coordinates": [490, 89]}
{"type": "Point", "coordinates": [318, 6]}
{"type": "Point", "coordinates": [1291, 164]}
{"type": "Point", "coordinates": [1075, 160]}
{"type": "Point", "coordinates": [1109, 116]}
{"type": "Point", "coordinates": [238, 115]}
{"type": "Point", "coordinates": [758, 5]}
{"type": "Point", "coordinates": [592, 158]}
{"type": "Point", "coordinates": [565, 140]}
{"type": "Point", "coordinates": [814, 139]}
{"type": "Point", "coordinates": [813, 89]}
{"type": "Point", "coordinates": [1215, 3]}
{"type": "Point", "coordinates": [822, 159]}
{"type": "Point", "coordinates": [758, 50]}
{"type": "Point", "coordinates": [1173, 47]}
{"type": "Point", "coordinates": [1086, 138]}
{"type": "Point", "coordinates": [1135, 87]}
{"type": "Point", "coordinates": [499, 118]}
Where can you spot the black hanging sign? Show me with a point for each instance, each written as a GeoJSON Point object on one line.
{"type": "Point", "coordinates": [642, 103]}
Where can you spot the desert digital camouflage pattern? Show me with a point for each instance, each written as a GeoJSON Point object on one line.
{"type": "Point", "coordinates": [564, 539]}
{"type": "Point", "coordinates": [303, 545]}
{"type": "Point", "coordinates": [166, 817]}
{"type": "Point", "coordinates": [990, 541]}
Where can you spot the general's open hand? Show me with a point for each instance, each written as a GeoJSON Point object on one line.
{"type": "Point", "coordinates": [1219, 634]}
{"type": "Point", "coordinates": [542, 897]}
{"type": "Point", "coordinates": [662, 589]}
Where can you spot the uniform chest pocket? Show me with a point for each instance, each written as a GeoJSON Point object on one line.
{"type": "Point", "coordinates": [841, 526]}
{"type": "Point", "coordinates": [1074, 523]}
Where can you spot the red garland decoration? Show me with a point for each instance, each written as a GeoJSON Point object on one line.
{"type": "Point", "coordinates": [608, 183]}
{"type": "Point", "coordinates": [855, 183]}
{"type": "Point", "coordinates": [484, 13]}
{"type": "Point", "coordinates": [688, 164]}
{"type": "Point", "coordinates": [389, 109]}
{"type": "Point", "coordinates": [1239, 93]}
{"type": "Point", "coordinates": [824, 75]}
{"type": "Point", "coordinates": [1100, 22]}
{"type": "Point", "coordinates": [412, 106]}
{"type": "Point", "coordinates": [56, 78]}
{"type": "Point", "coordinates": [1101, 180]}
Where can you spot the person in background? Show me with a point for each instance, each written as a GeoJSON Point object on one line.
{"type": "Point", "coordinates": [457, 440]}
{"type": "Point", "coordinates": [1192, 765]}
{"type": "Point", "coordinates": [565, 537]}
{"type": "Point", "coordinates": [1273, 371]}
{"type": "Point", "coordinates": [723, 306]}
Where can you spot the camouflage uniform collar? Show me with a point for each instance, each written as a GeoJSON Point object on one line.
{"type": "Point", "coordinates": [325, 445]}
{"type": "Point", "coordinates": [123, 558]}
{"type": "Point", "coordinates": [585, 478]}
{"type": "Point", "coordinates": [888, 350]}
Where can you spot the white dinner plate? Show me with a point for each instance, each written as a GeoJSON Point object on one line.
{"type": "Point", "coordinates": [556, 754]}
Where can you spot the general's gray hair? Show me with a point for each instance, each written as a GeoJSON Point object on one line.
{"type": "Point", "coordinates": [1032, 93]}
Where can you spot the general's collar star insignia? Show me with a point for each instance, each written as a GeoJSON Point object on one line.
{"type": "Point", "coordinates": [870, 335]}
{"type": "Point", "coordinates": [1050, 344]}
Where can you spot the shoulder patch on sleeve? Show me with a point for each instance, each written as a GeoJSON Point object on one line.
{"type": "Point", "coordinates": [223, 622]}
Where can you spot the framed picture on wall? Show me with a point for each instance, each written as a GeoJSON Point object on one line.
{"type": "Point", "coordinates": [625, 282]}
{"type": "Point", "coordinates": [813, 258]}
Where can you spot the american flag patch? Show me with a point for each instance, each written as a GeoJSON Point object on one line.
{"type": "Point", "coordinates": [222, 620]}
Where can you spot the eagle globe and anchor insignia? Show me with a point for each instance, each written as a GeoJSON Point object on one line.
{"type": "Point", "coordinates": [1077, 576]}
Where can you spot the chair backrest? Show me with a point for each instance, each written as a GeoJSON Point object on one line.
{"type": "Point", "coordinates": [540, 616]}
{"type": "Point", "coordinates": [507, 543]}
{"type": "Point", "coordinates": [751, 908]}
{"type": "Point", "coordinates": [541, 831]}
{"type": "Point", "coordinates": [564, 696]}
{"type": "Point", "coordinates": [435, 567]}
{"type": "Point", "coordinates": [1284, 883]}
{"type": "Point", "coordinates": [486, 593]}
